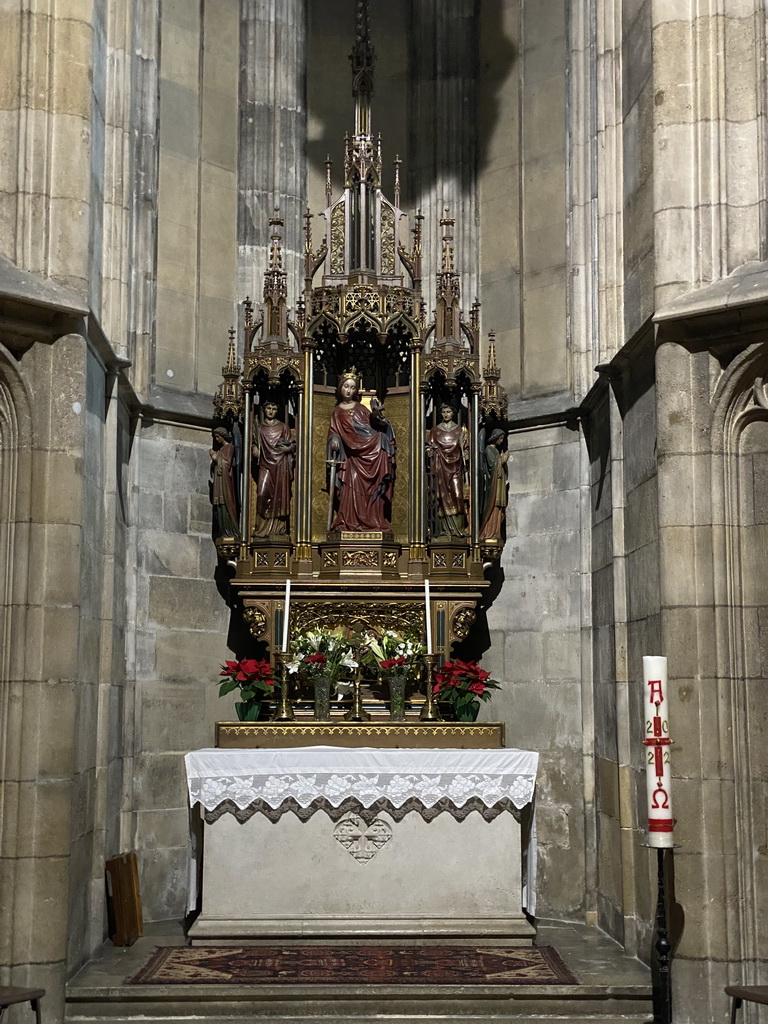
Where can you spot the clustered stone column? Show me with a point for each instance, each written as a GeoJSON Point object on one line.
{"type": "Point", "coordinates": [273, 117]}
{"type": "Point", "coordinates": [442, 158]}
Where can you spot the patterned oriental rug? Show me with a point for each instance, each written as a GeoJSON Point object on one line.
{"type": "Point", "coordinates": [354, 965]}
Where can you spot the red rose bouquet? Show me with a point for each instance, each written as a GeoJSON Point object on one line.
{"type": "Point", "coordinates": [255, 680]}
{"type": "Point", "coordinates": [463, 684]}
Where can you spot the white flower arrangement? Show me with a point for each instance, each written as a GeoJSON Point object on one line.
{"type": "Point", "coordinates": [321, 652]}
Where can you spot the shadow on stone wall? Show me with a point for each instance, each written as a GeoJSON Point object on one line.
{"type": "Point", "coordinates": [239, 639]}
{"type": "Point", "coordinates": [405, 70]}
{"type": "Point", "coordinates": [497, 59]}
{"type": "Point", "coordinates": [479, 639]}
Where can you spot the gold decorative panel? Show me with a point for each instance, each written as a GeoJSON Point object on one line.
{"type": "Point", "coordinates": [324, 406]}
{"type": "Point", "coordinates": [370, 615]}
{"type": "Point", "coordinates": [257, 621]}
{"type": "Point", "coordinates": [387, 240]}
{"type": "Point", "coordinates": [337, 240]}
{"type": "Point", "coordinates": [360, 559]}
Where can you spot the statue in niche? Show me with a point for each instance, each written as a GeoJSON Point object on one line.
{"type": "Point", "coordinates": [273, 451]}
{"type": "Point", "coordinates": [361, 456]}
{"type": "Point", "coordinates": [495, 488]}
{"type": "Point", "coordinates": [222, 486]}
{"type": "Point", "coordinates": [448, 455]}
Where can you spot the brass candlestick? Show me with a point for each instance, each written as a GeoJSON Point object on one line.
{"type": "Point", "coordinates": [284, 710]}
{"type": "Point", "coordinates": [357, 712]}
{"type": "Point", "coordinates": [429, 709]}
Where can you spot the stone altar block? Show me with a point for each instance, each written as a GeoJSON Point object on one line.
{"type": "Point", "coordinates": [329, 842]}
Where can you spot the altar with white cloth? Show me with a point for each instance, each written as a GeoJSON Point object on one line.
{"type": "Point", "coordinates": [329, 841]}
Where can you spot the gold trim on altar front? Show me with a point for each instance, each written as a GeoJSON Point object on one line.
{"type": "Point", "coordinates": [407, 735]}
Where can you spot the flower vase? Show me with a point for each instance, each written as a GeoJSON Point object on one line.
{"type": "Point", "coordinates": [397, 697]}
{"type": "Point", "coordinates": [247, 710]}
{"type": "Point", "coordinates": [322, 686]}
{"type": "Point", "coordinates": [468, 712]}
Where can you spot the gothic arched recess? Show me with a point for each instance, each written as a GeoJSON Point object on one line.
{"type": "Point", "coordinates": [15, 509]}
{"type": "Point", "coordinates": [740, 508]}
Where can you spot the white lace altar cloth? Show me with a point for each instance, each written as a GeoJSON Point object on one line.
{"type": "Point", "coordinates": [334, 774]}
{"type": "Point", "coordinates": [326, 777]}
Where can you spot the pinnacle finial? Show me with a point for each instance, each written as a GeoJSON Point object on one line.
{"type": "Point", "coordinates": [362, 59]}
{"type": "Point", "coordinates": [328, 184]}
{"type": "Point", "coordinates": [231, 368]}
{"type": "Point", "coordinates": [447, 223]}
{"type": "Point", "coordinates": [492, 369]}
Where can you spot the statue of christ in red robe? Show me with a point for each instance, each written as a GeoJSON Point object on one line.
{"type": "Point", "coordinates": [361, 444]}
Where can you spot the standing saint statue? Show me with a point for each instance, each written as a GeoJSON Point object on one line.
{"type": "Point", "coordinates": [495, 490]}
{"type": "Point", "coordinates": [361, 454]}
{"type": "Point", "coordinates": [222, 486]}
{"type": "Point", "coordinates": [273, 451]}
{"type": "Point", "coordinates": [448, 454]}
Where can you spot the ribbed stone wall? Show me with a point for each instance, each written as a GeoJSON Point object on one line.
{"type": "Point", "coordinates": [197, 193]}
{"type": "Point", "coordinates": [272, 144]}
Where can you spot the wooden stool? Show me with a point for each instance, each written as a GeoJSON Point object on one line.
{"type": "Point", "coordinates": [11, 995]}
{"type": "Point", "coordinates": [750, 993]}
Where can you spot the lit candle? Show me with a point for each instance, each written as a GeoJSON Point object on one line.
{"type": "Point", "coordinates": [428, 616]}
{"type": "Point", "coordinates": [657, 745]}
{"type": "Point", "coordinates": [286, 613]}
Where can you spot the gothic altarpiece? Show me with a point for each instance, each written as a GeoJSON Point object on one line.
{"type": "Point", "coordinates": [357, 449]}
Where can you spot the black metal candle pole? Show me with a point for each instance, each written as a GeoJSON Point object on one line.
{"type": "Point", "coordinates": [662, 976]}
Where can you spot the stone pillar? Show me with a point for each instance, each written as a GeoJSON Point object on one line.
{"type": "Point", "coordinates": [708, 142]}
{"type": "Point", "coordinates": [442, 160]}
{"type": "Point", "coordinates": [143, 237]}
{"type": "Point", "coordinates": [47, 111]}
{"type": "Point", "coordinates": [196, 275]}
{"type": "Point", "coordinates": [582, 206]}
{"type": "Point", "coordinates": [273, 121]}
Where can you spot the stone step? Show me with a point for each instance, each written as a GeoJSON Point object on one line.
{"type": "Point", "coordinates": [642, 1018]}
{"type": "Point", "coordinates": [304, 1004]}
{"type": "Point", "coordinates": [612, 988]}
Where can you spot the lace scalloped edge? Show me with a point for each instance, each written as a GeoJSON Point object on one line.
{"type": "Point", "coordinates": [411, 806]}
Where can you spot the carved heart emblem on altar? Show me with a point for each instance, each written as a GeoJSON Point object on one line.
{"type": "Point", "coordinates": [360, 840]}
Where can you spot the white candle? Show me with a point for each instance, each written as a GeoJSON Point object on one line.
{"type": "Point", "coordinates": [428, 616]}
{"type": "Point", "coordinates": [657, 747]}
{"type": "Point", "coordinates": [286, 613]}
